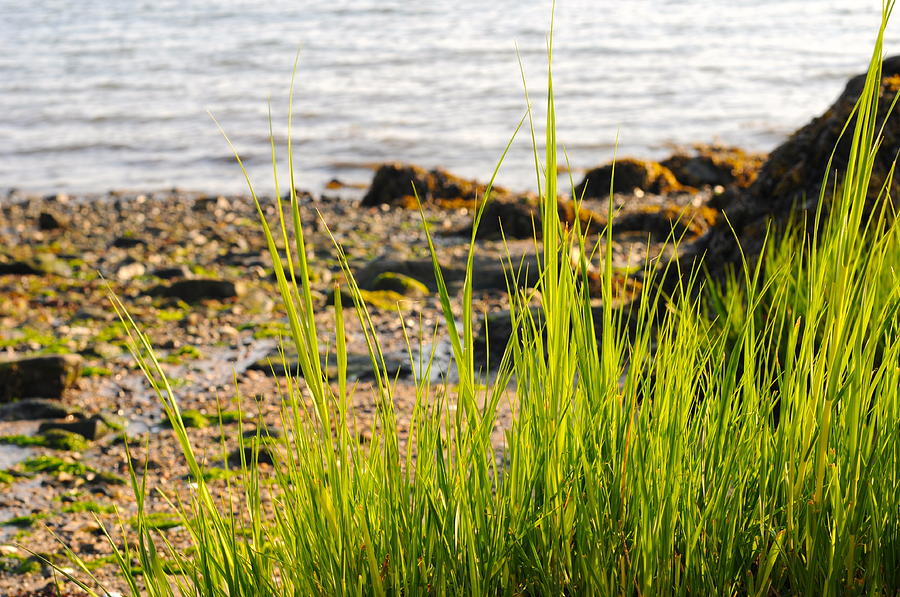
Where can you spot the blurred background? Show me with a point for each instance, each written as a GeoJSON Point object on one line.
{"type": "Point", "coordinates": [102, 94]}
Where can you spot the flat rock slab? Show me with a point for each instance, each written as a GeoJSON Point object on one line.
{"type": "Point", "coordinates": [38, 377]}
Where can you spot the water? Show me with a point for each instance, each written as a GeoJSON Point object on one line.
{"type": "Point", "coordinates": [102, 94]}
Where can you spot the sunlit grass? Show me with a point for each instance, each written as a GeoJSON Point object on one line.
{"type": "Point", "coordinates": [744, 440]}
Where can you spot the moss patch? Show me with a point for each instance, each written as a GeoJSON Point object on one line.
{"type": "Point", "coordinates": [159, 521]}
{"type": "Point", "coordinates": [56, 439]}
{"type": "Point", "coordinates": [192, 419]}
{"type": "Point", "coordinates": [400, 284]}
{"type": "Point", "coordinates": [93, 507]}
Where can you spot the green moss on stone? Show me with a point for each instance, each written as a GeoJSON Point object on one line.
{"type": "Point", "coordinates": [401, 284]}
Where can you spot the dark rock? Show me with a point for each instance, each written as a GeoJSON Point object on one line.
{"type": "Point", "coordinates": [38, 377]}
{"type": "Point", "coordinates": [417, 269]}
{"type": "Point", "coordinates": [711, 165]}
{"type": "Point", "coordinates": [625, 176]}
{"type": "Point", "coordinates": [789, 183]}
{"type": "Point", "coordinates": [266, 431]}
{"type": "Point", "coordinates": [490, 272]}
{"type": "Point", "coordinates": [128, 242]}
{"type": "Point", "coordinates": [49, 221]}
{"type": "Point", "coordinates": [192, 291]}
{"type": "Point", "coordinates": [41, 264]}
{"type": "Point", "coordinates": [393, 185]}
{"type": "Point", "coordinates": [91, 428]}
{"type": "Point", "coordinates": [19, 268]}
{"type": "Point", "coordinates": [797, 167]}
{"type": "Point", "coordinates": [35, 408]}
{"type": "Point", "coordinates": [519, 217]}
{"type": "Point", "coordinates": [662, 222]}
{"type": "Point", "coordinates": [497, 329]}
{"type": "Point", "coordinates": [261, 450]}
{"type": "Point", "coordinates": [170, 273]}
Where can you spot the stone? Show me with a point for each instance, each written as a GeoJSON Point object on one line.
{"type": "Point", "coordinates": [626, 175]}
{"type": "Point", "coordinates": [520, 217]}
{"type": "Point", "coordinates": [91, 428]}
{"type": "Point", "coordinates": [393, 185]}
{"type": "Point", "coordinates": [711, 165]}
{"type": "Point", "coordinates": [18, 268]}
{"type": "Point", "coordinates": [38, 377]}
{"type": "Point", "coordinates": [401, 284]}
{"type": "Point", "coordinates": [48, 221]}
{"type": "Point", "coordinates": [35, 408]}
{"type": "Point", "coordinates": [128, 242]}
{"type": "Point", "coordinates": [789, 183]}
{"type": "Point", "coordinates": [170, 273]}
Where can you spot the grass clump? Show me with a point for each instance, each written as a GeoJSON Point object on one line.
{"type": "Point", "coordinates": [743, 441]}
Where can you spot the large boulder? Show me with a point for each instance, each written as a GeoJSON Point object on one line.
{"type": "Point", "coordinates": [38, 377]}
{"type": "Point", "coordinates": [796, 169]}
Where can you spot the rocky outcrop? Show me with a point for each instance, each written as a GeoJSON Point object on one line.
{"type": "Point", "coordinates": [790, 181]}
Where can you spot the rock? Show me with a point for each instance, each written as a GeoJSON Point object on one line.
{"type": "Point", "coordinates": [192, 291]}
{"type": "Point", "coordinates": [400, 284]}
{"type": "Point", "coordinates": [796, 168]}
{"type": "Point", "coordinates": [519, 217]}
{"type": "Point", "coordinates": [359, 366]}
{"type": "Point", "coordinates": [626, 175]}
{"type": "Point", "coordinates": [211, 204]}
{"type": "Point", "coordinates": [393, 185]}
{"type": "Point", "coordinates": [417, 269]}
{"type": "Point", "coordinates": [385, 300]}
{"type": "Point", "coordinates": [789, 182]}
{"type": "Point", "coordinates": [35, 408]}
{"type": "Point", "coordinates": [497, 329]}
{"type": "Point", "coordinates": [18, 268]}
{"type": "Point", "coordinates": [665, 221]}
{"type": "Point", "coordinates": [711, 165]}
{"type": "Point", "coordinates": [48, 221]}
{"type": "Point", "coordinates": [40, 264]}
{"type": "Point", "coordinates": [51, 264]}
{"type": "Point", "coordinates": [259, 450]}
{"type": "Point", "coordinates": [128, 242]}
{"type": "Point", "coordinates": [38, 377]}
{"type": "Point", "coordinates": [265, 431]}
{"type": "Point", "coordinates": [91, 428]}
{"type": "Point", "coordinates": [170, 273]}
{"type": "Point", "coordinates": [490, 273]}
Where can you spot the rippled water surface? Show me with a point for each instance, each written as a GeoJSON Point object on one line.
{"type": "Point", "coordinates": [101, 94]}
